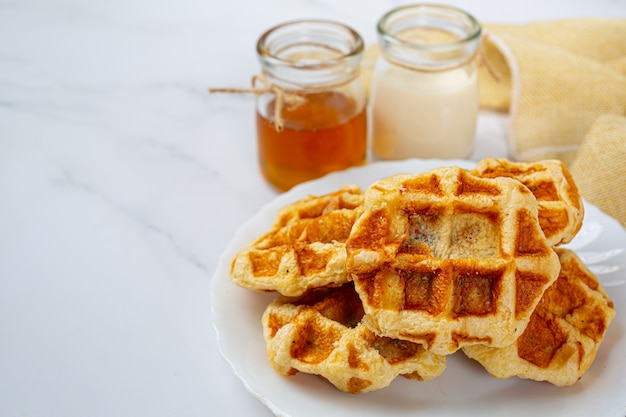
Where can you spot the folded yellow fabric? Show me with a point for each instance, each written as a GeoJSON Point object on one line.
{"type": "Point", "coordinates": [555, 79]}
{"type": "Point", "coordinates": [600, 166]}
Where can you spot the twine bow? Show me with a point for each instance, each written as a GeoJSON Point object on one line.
{"type": "Point", "coordinates": [285, 98]}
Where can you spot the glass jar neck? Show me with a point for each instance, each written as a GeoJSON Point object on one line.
{"type": "Point", "coordinates": [429, 37]}
{"type": "Point", "coordinates": [309, 54]}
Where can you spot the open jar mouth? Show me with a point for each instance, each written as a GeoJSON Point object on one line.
{"type": "Point", "coordinates": [429, 36]}
{"type": "Point", "coordinates": [324, 49]}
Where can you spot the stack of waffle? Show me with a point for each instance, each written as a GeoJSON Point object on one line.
{"type": "Point", "coordinates": [390, 281]}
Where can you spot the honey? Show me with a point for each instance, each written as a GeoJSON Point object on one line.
{"type": "Point", "coordinates": [310, 109]}
{"type": "Point", "coordinates": [326, 133]}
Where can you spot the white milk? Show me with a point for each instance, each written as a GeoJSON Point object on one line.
{"type": "Point", "coordinates": [423, 114]}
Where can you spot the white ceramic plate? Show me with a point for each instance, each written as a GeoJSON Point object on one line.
{"type": "Point", "coordinates": [464, 388]}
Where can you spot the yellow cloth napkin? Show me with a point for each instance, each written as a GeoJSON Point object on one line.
{"type": "Point", "coordinates": [599, 169]}
{"type": "Point", "coordinates": [555, 79]}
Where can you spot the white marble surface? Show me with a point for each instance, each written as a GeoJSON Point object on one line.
{"type": "Point", "coordinates": [121, 181]}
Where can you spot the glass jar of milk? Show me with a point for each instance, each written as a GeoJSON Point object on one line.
{"type": "Point", "coordinates": [424, 98]}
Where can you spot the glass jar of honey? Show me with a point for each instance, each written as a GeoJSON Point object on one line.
{"type": "Point", "coordinates": [424, 96]}
{"type": "Point", "coordinates": [311, 115]}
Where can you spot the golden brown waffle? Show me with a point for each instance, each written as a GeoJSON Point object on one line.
{"type": "Point", "coordinates": [321, 333]}
{"type": "Point", "coordinates": [561, 209]}
{"type": "Point", "coordinates": [448, 259]}
{"type": "Point", "coordinates": [564, 332]}
{"type": "Point", "coordinates": [305, 247]}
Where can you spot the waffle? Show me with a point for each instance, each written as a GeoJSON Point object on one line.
{"type": "Point", "coordinates": [560, 206]}
{"type": "Point", "coordinates": [564, 332]}
{"type": "Point", "coordinates": [321, 333]}
{"type": "Point", "coordinates": [447, 259]}
{"type": "Point", "coordinates": [305, 248]}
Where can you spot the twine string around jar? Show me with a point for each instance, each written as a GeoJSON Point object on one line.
{"type": "Point", "coordinates": [284, 97]}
